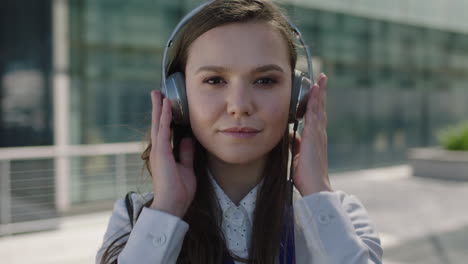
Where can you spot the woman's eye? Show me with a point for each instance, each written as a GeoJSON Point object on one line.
{"type": "Point", "coordinates": [219, 80]}
{"type": "Point", "coordinates": [214, 80]}
{"type": "Point", "coordinates": [265, 81]}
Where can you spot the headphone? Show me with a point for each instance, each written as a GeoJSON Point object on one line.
{"type": "Point", "coordinates": [173, 86]}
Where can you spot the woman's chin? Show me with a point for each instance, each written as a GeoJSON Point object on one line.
{"type": "Point", "coordinates": [240, 158]}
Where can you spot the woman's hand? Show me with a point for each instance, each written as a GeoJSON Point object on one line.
{"type": "Point", "coordinates": [174, 184]}
{"type": "Point", "coordinates": [310, 157]}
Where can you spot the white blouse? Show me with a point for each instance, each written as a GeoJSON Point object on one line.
{"type": "Point", "coordinates": [237, 220]}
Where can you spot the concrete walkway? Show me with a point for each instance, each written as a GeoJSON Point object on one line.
{"type": "Point", "coordinates": [419, 220]}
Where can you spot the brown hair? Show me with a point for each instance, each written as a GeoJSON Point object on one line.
{"type": "Point", "coordinates": [204, 242]}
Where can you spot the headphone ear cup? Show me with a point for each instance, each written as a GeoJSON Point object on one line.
{"type": "Point", "coordinates": [174, 89]}
{"type": "Point", "coordinates": [301, 86]}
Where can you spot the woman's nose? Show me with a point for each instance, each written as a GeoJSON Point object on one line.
{"type": "Point", "coordinates": [239, 100]}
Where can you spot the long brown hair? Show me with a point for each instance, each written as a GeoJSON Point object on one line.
{"type": "Point", "coordinates": [204, 242]}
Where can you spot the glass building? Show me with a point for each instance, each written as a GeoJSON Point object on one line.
{"type": "Point", "coordinates": [77, 74]}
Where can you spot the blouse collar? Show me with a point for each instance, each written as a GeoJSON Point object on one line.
{"type": "Point", "coordinates": [247, 203]}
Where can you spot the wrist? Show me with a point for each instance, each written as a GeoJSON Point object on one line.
{"type": "Point", "coordinates": [167, 208]}
{"type": "Point", "coordinates": [315, 188]}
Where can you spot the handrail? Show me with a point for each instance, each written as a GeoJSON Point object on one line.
{"type": "Point", "coordinates": [61, 174]}
{"type": "Point", "coordinates": [41, 152]}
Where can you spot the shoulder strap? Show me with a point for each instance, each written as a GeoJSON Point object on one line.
{"type": "Point", "coordinates": [129, 205]}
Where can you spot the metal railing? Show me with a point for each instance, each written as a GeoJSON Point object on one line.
{"type": "Point", "coordinates": [38, 184]}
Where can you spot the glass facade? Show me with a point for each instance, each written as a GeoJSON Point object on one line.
{"type": "Point", "coordinates": [392, 85]}
{"type": "Point", "coordinates": [25, 69]}
{"type": "Point", "coordinates": [116, 49]}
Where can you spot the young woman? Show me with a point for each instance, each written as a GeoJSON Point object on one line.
{"type": "Point", "coordinates": [220, 182]}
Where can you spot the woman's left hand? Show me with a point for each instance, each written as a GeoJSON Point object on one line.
{"type": "Point", "coordinates": [310, 157]}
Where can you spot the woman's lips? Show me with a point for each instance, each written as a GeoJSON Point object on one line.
{"type": "Point", "coordinates": [240, 134]}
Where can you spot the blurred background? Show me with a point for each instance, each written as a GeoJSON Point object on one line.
{"type": "Point", "coordinates": [75, 80]}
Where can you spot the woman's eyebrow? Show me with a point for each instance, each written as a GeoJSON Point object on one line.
{"type": "Point", "coordinates": [220, 69]}
{"type": "Point", "coordinates": [268, 67]}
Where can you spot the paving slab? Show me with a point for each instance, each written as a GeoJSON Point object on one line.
{"type": "Point", "coordinates": [420, 220]}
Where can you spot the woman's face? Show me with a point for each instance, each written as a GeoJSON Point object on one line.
{"type": "Point", "coordinates": [238, 76]}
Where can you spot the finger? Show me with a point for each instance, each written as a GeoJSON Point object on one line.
{"type": "Point", "coordinates": [309, 111]}
{"type": "Point", "coordinates": [297, 142]}
{"type": "Point", "coordinates": [313, 98]}
{"type": "Point", "coordinates": [319, 127]}
{"type": "Point", "coordinates": [323, 80]}
{"type": "Point", "coordinates": [323, 117]}
{"type": "Point", "coordinates": [315, 104]}
{"type": "Point", "coordinates": [155, 115]}
{"type": "Point", "coordinates": [164, 130]}
{"type": "Point", "coordinates": [186, 152]}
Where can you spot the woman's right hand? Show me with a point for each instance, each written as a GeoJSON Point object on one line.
{"type": "Point", "coordinates": [174, 184]}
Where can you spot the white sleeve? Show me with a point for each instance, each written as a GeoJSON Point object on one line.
{"type": "Point", "coordinates": [156, 237]}
{"type": "Point", "coordinates": [118, 226]}
{"type": "Point", "coordinates": [337, 226]}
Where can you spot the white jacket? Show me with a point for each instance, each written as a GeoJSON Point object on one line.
{"type": "Point", "coordinates": [329, 228]}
